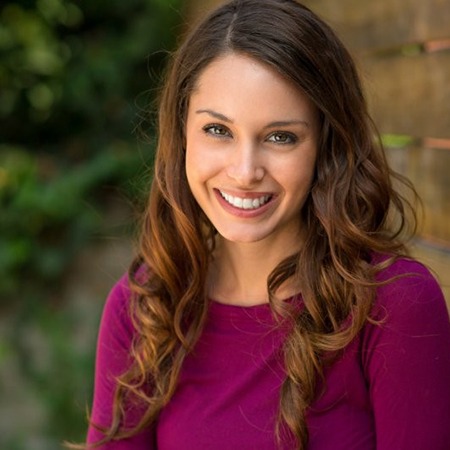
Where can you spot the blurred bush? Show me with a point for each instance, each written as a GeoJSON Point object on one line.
{"type": "Point", "coordinates": [74, 79]}
{"type": "Point", "coordinates": [70, 74]}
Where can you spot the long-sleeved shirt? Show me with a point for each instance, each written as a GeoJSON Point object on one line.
{"type": "Point", "coordinates": [390, 388]}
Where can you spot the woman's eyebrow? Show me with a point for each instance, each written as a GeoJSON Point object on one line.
{"type": "Point", "coordinates": [214, 114]}
{"type": "Point", "coordinates": [285, 123]}
{"type": "Point", "coordinates": [278, 123]}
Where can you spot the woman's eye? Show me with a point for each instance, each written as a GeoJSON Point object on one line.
{"type": "Point", "coordinates": [281, 137]}
{"type": "Point", "coordinates": [216, 130]}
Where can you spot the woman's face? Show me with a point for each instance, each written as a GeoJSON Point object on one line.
{"type": "Point", "coordinates": [251, 146]}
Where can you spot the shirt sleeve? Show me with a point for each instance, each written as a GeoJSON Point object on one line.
{"type": "Point", "coordinates": [406, 359]}
{"type": "Point", "coordinates": [113, 359]}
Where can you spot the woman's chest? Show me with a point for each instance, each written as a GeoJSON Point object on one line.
{"type": "Point", "coordinates": [229, 391]}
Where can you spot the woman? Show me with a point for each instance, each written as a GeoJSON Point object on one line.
{"type": "Point", "coordinates": [271, 304]}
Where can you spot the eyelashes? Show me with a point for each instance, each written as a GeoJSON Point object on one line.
{"type": "Point", "coordinates": [282, 137]}
{"type": "Point", "coordinates": [277, 137]}
{"type": "Point", "coordinates": [216, 130]}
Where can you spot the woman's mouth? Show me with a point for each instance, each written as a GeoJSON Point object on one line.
{"type": "Point", "coordinates": [245, 203]}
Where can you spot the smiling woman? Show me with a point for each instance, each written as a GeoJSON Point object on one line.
{"type": "Point", "coordinates": [272, 304]}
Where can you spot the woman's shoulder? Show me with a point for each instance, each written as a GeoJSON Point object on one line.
{"type": "Point", "coordinates": [406, 279]}
{"type": "Point", "coordinates": [117, 310]}
{"type": "Point", "coordinates": [405, 358]}
{"type": "Point", "coordinates": [409, 297]}
{"type": "Point", "coordinates": [401, 265]}
{"type": "Point", "coordinates": [119, 296]}
{"type": "Point", "coordinates": [116, 325]}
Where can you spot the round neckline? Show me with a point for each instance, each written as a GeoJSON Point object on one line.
{"type": "Point", "coordinates": [239, 306]}
{"type": "Point", "coordinates": [290, 299]}
{"type": "Point", "coordinates": [258, 313]}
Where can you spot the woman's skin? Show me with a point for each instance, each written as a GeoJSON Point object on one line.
{"type": "Point", "coordinates": [251, 146]}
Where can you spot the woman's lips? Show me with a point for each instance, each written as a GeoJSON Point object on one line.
{"type": "Point", "coordinates": [246, 205]}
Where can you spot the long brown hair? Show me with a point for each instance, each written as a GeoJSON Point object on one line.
{"type": "Point", "coordinates": [352, 213]}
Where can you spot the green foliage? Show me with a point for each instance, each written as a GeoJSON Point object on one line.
{"type": "Point", "coordinates": [70, 71]}
{"type": "Point", "coordinates": [396, 140]}
{"type": "Point", "coordinates": [46, 214]}
{"type": "Point", "coordinates": [75, 79]}
{"type": "Point", "coordinates": [70, 74]}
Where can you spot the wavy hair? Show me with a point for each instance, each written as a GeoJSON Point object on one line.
{"type": "Point", "coordinates": [351, 213]}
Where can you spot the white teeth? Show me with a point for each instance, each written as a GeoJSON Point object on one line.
{"type": "Point", "coordinates": [245, 203]}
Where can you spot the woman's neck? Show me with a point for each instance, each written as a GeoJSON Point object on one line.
{"type": "Point", "coordinates": [239, 273]}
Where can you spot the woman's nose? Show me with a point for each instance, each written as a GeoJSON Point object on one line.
{"type": "Point", "coordinates": [245, 166]}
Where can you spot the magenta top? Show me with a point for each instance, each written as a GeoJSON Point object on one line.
{"type": "Point", "coordinates": [390, 389]}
